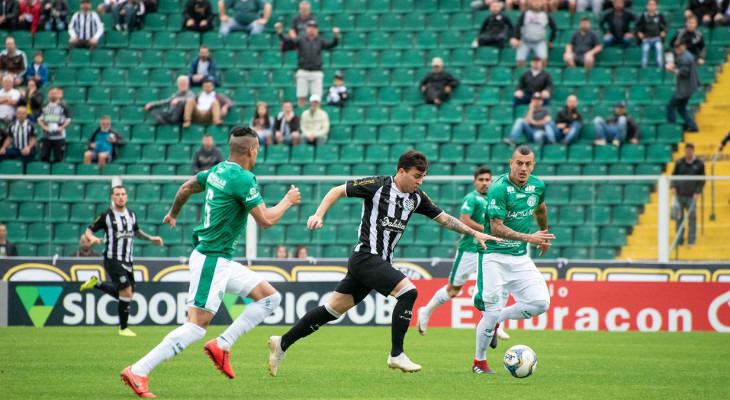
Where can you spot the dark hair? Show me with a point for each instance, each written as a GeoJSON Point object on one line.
{"type": "Point", "coordinates": [585, 19]}
{"type": "Point", "coordinates": [203, 46]}
{"type": "Point", "coordinates": [524, 149]}
{"type": "Point", "coordinates": [37, 53]}
{"type": "Point", "coordinates": [691, 16]}
{"type": "Point", "coordinates": [266, 116]}
{"type": "Point", "coordinates": [413, 159]}
{"type": "Point", "coordinates": [243, 131]}
{"type": "Point", "coordinates": [207, 80]}
{"type": "Point", "coordinates": [118, 187]}
{"type": "Point", "coordinates": [689, 146]}
{"type": "Point", "coordinates": [481, 171]}
{"type": "Point", "coordinates": [287, 101]}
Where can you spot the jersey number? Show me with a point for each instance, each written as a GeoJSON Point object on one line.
{"type": "Point", "coordinates": [208, 198]}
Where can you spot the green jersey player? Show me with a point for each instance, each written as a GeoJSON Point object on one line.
{"type": "Point", "coordinates": [231, 193]}
{"type": "Point", "coordinates": [512, 201]}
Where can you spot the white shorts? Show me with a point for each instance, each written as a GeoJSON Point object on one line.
{"type": "Point", "coordinates": [539, 49]}
{"type": "Point", "coordinates": [517, 274]}
{"type": "Point", "coordinates": [212, 277]}
{"type": "Point", "coordinates": [309, 83]}
{"type": "Point", "coordinates": [465, 264]}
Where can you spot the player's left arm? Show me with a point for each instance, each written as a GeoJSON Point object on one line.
{"type": "Point", "coordinates": [542, 222]}
{"type": "Point", "coordinates": [468, 221]}
{"type": "Point", "coordinates": [140, 234]}
{"type": "Point", "coordinates": [183, 194]}
{"type": "Point", "coordinates": [453, 224]}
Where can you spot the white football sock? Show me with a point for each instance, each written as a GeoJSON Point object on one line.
{"type": "Point", "coordinates": [253, 315]}
{"type": "Point", "coordinates": [485, 331]}
{"type": "Point", "coordinates": [174, 343]}
{"type": "Point", "coordinates": [440, 297]}
{"type": "Point", "coordinates": [522, 310]}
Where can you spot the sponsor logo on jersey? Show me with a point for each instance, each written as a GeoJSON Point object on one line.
{"type": "Point", "coordinates": [363, 182]}
{"type": "Point", "coordinates": [510, 189]}
{"type": "Point", "coordinates": [407, 204]}
{"type": "Point", "coordinates": [520, 214]}
{"type": "Point", "coordinates": [521, 195]}
{"type": "Point", "coordinates": [531, 201]}
{"type": "Point", "coordinates": [530, 188]}
{"type": "Point", "coordinates": [216, 181]}
{"type": "Point", "coordinates": [123, 235]}
{"type": "Point", "coordinates": [393, 225]}
{"type": "Point", "coordinates": [466, 206]}
{"type": "Point", "coordinates": [252, 194]}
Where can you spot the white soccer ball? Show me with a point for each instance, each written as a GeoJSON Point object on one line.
{"type": "Point", "coordinates": [520, 361]}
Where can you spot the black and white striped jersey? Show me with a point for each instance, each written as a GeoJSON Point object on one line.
{"type": "Point", "coordinates": [86, 26]}
{"type": "Point", "coordinates": [119, 229]}
{"type": "Point", "coordinates": [22, 133]}
{"type": "Point", "coordinates": [386, 212]}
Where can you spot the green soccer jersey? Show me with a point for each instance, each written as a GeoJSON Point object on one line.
{"type": "Point", "coordinates": [474, 204]}
{"type": "Point", "coordinates": [230, 194]}
{"type": "Point", "coordinates": [515, 206]}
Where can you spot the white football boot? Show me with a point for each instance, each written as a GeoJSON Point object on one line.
{"type": "Point", "coordinates": [403, 363]}
{"type": "Point", "coordinates": [501, 334]}
{"type": "Point", "coordinates": [276, 354]}
{"type": "Point", "coordinates": [422, 320]}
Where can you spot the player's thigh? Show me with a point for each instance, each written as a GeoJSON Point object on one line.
{"type": "Point", "coordinates": [465, 264]}
{"type": "Point", "coordinates": [121, 274]}
{"type": "Point", "coordinates": [352, 287]}
{"type": "Point", "coordinates": [375, 273]}
{"type": "Point", "coordinates": [208, 281]}
{"type": "Point", "coordinates": [490, 282]}
{"type": "Point", "coordinates": [242, 281]}
{"type": "Point", "coordinates": [525, 282]}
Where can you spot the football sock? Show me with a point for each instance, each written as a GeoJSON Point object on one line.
{"type": "Point", "coordinates": [310, 322]}
{"type": "Point", "coordinates": [402, 313]}
{"type": "Point", "coordinates": [523, 310]}
{"type": "Point", "coordinates": [440, 297]}
{"type": "Point", "coordinates": [108, 289]}
{"type": "Point", "coordinates": [485, 331]}
{"type": "Point", "coordinates": [123, 308]}
{"type": "Point", "coordinates": [174, 343]}
{"type": "Point", "coordinates": [253, 315]}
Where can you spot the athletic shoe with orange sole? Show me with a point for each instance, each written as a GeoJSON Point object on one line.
{"type": "Point", "coordinates": [221, 358]}
{"type": "Point", "coordinates": [137, 383]}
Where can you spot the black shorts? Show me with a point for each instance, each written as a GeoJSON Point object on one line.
{"type": "Point", "coordinates": [121, 277]}
{"type": "Point", "coordinates": [366, 272]}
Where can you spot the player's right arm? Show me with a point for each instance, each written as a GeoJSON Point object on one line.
{"type": "Point", "coordinates": [337, 192]}
{"type": "Point", "coordinates": [468, 208]}
{"type": "Point", "coordinates": [95, 226]}
{"type": "Point", "coordinates": [187, 189]}
{"type": "Point", "coordinates": [499, 229]}
{"type": "Point", "coordinates": [268, 217]}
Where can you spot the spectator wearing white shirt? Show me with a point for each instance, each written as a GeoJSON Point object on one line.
{"type": "Point", "coordinates": [85, 29]}
{"type": "Point", "coordinates": [338, 91]}
{"type": "Point", "coordinates": [207, 107]}
{"type": "Point", "coordinates": [9, 98]}
{"type": "Point", "coordinates": [315, 123]}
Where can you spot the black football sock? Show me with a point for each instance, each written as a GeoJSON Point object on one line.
{"type": "Point", "coordinates": [108, 289]}
{"type": "Point", "coordinates": [310, 322]}
{"type": "Point", "coordinates": [401, 319]}
{"type": "Point", "coordinates": [123, 308]}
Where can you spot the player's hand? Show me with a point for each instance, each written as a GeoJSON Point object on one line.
{"type": "Point", "coordinates": [543, 248]}
{"type": "Point", "coordinates": [95, 241]}
{"type": "Point", "coordinates": [483, 237]}
{"type": "Point", "coordinates": [314, 222]}
{"type": "Point", "coordinates": [293, 195]}
{"type": "Point", "coordinates": [541, 237]}
{"type": "Point", "coordinates": [170, 220]}
{"type": "Point", "coordinates": [156, 240]}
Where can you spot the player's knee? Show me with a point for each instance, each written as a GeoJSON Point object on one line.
{"type": "Point", "coordinates": [409, 296]}
{"type": "Point", "coordinates": [272, 302]}
{"type": "Point", "coordinates": [489, 319]}
{"type": "Point", "coordinates": [540, 306]}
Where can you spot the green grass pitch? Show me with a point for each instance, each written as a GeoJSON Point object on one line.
{"type": "Point", "coordinates": [350, 363]}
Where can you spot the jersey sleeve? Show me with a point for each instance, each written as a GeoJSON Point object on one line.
{"type": "Point", "coordinates": [363, 188]}
{"type": "Point", "coordinates": [135, 227]}
{"type": "Point", "coordinates": [98, 223]}
{"type": "Point", "coordinates": [497, 199]}
{"type": "Point", "coordinates": [469, 206]}
{"type": "Point", "coordinates": [202, 177]}
{"type": "Point", "coordinates": [250, 194]}
{"type": "Point", "coordinates": [427, 206]}
{"type": "Point", "coordinates": [541, 197]}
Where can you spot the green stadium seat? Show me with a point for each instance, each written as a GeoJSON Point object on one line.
{"type": "Point", "coordinates": [633, 153]}
{"type": "Point", "coordinates": [625, 215]}
{"type": "Point", "coordinates": [352, 153]}
{"type": "Point", "coordinates": [120, 40]}
{"type": "Point", "coordinates": [88, 77]}
{"type": "Point", "coordinates": [37, 168]}
{"type": "Point", "coordinates": [572, 215]}
{"type": "Point", "coordinates": [78, 58]}
{"type": "Point", "coordinates": [586, 236]}
{"type": "Point", "coordinates": [98, 95]}
{"type": "Point", "coordinates": [29, 211]}
{"type": "Point", "coordinates": [187, 40]}
{"type": "Point", "coordinates": [636, 194]}
{"type": "Point", "coordinates": [606, 154]}
{"type": "Point", "coordinates": [464, 134]}
{"type": "Point", "coordinates": [153, 153]}
{"type": "Point", "coordinates": [557, 194]}
{"type": "Point", "coordinates": [554, 154]}
{"type": "Point", "coordinates": [21, 191]}
{"type": "Point", "coordinates": [66, 233]}
{"type": "Point", "coordinates": [621, 169]}
{"type": "Point", "coordinates": [613, 236]}
{"type": "Point", "coordinates": [45, 40]}
{"type": "Point", "coordinates": [659, 153]}
{"type": "Point", "coordinates": [609, 194]}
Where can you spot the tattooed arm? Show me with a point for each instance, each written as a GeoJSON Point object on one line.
{"type": "Point", "coordinates": [183, 194]}
{"type": "Point", "coordinates": [541, 217]}
{"type": "Point", "coordinates": [453, 224]}
{"type": "Point", "coordinates": [500, 230]}
{"type": "Point", "coordinates": [140, 234]}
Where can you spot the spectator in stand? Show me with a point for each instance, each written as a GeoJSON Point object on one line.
{"type": "Point", "coordinates": [281, 252]}
{"type": "Point", "coordinates": [175, 104]}
{"type": "Point", "coordinates": [37, 71]}
{"type": "Point", "coordinates": [286, 126]}
{"type": "Point", "coordinates": [21, 140]}
{"type": "Point", "coordinates": [198, 16]}
{"type": "Point", "coordinates": [7, 249]}
{"type": "Point", "coordinates": [85, 28]}
{"type": "Point", "coordinates": [315, 123]}
{"type": "Point", "coordinates": [531, 33]}
{"type": "Point", "coordinates": [301, 252]}
{"type": "Point", "coordinates": [651, 29]}
{"type": "Point", "coordinates": [496, 28]}
{"type": "Point", "coordinates": [537, 126]}
{"type": "Point", "coordinates": [583, 46]}
{"type": "Point", "coordinates": [9, 98]}
{"type": "Point", "coordinates": [692, 38]}
{"type": "Point", "coordinates": [722, 18]}
{"type": "Point", "coordinates": [54, 119]}
{"type": "Point", "coordinates": [616, 25]}
{"type": "Point", "coordinates": [437, 86]}
{"type": "Point", "coordinates": [568, 122]}
{"type": "Point", "coordinates": [299, 25]}
{"type": "Point", "coordinates": [128, 15]}
{"type": "Point", "coordinates": [103, 144]}
{"type": "Point", "coordinates": [687, 192]}
{"type": "Point", "coordinates": [203, 68]}
{"type": "Point", "coordinates": [481, 5]}
{"type": "Point", "coordinates": [85, 249]}
{"type": "Point", "coordinates": [583, 5]}
{"type": "Point", "coordinates": [207, 156]}
{"type": "Point", "coordinates": [704, 10]}
{"type": "Point", "coordinates": [13, 61]}
{"type": "Point", "coordinates": [617, 128]}
{"type": "Point", "coordinates": [337, 95]}
{"type": "Point", "coordinates": [9, 12]}
{"type": "Point", "coordinates": [263, 123]}
{"type": "Point", "coordinates": [106, 6]}
{"type": "Point", "coordinates": [309, 64]}
{"type": "Point", "coordinates": [32, 100]}
{"type": "Point", "coordinates": [536, 80]}
{"type": "Point", "coordinates": [245, 16]}
{"type": "Point", "coordinates": [688, 81]}
{"type": "Point", "coordinates": [30, 15]}
{"type": "Point", "coordinates": [54, 15]}
{"type": "Point", "coordinates": [208, 107]}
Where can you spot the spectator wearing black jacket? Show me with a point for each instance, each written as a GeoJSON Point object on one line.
{"type": "Point", "coordinates": [198, 16]}
{"type": "Point", "coordinates": [496, 29]}
{"type": "Point", "coordinates": [9, 12]}
{"type": "Point", "coordinates": [723, 14]}
{"type": "Point", "coordinates": [583, 46]}
{"type": "Point", "coordinates": [103, 144]}
{"type": "Point", "coordinates": [568, 121]}
{"type": "Point", "coordinates": [32, 100]}
{"type": "Point", "coordinates": [651, 29]}
{"type": "Point", "coordinates": [616, 25]}
{"type": "Point", "coordinates": [207, 156]}
{"type": "Point", "coordinates": [704, 10]}
{"type": "Point", "coordinates": [536, 80]}
{"type": "Point", "coordinates": [203, 68]}
{"type": "Point", "coordinates": [617, 129]}
{"type": "Point", "coordinates": [692, 38]}
{"type": "Point", "coordinates": [687, 192]}
{"type": "Point", "coordinates": [299, 24]}
{"type": "Point", "coordinates": [437, 86]}
{"type": "Point", "coordinates": [54, 15]}
{"type": "Point", "coordinates": [688, 81]}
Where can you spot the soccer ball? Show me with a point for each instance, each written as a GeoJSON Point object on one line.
{"type": "Point", "coordinates": [520, 361]}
